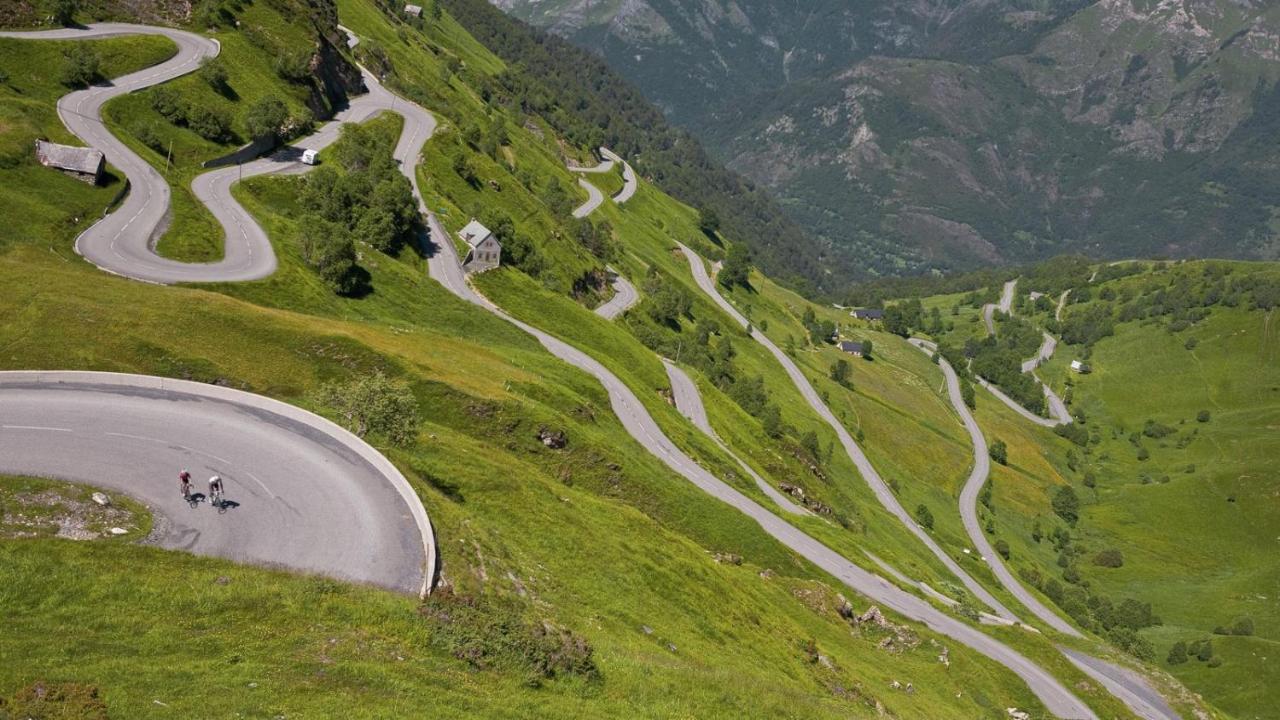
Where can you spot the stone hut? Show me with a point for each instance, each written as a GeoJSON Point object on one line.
{"type": "Point", "coordinates": [485, 251]}
{"type": "Point", "coordinates": [84, 164]}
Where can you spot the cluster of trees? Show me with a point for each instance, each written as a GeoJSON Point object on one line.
{"type": "Point", "coordinates": [820, 331]}
{"type": "Point", "coordinates": [994, 359]}
{"type": "Point", "coordinates": [209, 123]}
{"type": "Point", "coordinates": [82, 66]}
{"type": "Point", "coordinates": [901, 317]}
{"type": "Point", "coordinates": [362, 198]}
{"type": "Point", "coordinates": [1119, 621]}
{"type": "Point", "coordinates": [736, 269]}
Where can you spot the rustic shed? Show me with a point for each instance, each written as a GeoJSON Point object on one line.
{"type": "Point", "coordinates": [85, 164]}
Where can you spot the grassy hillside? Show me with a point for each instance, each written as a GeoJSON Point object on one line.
{"type": "Point", "coordinates": [688, 608]}
{"type": "Point", "coordinates": [1174, 479]}
{"type": "Point", "coordinates": [41, 205]}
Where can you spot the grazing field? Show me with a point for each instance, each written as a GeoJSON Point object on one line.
{"type": "Point", "coordinates": [1176, 488]}
{"type": "Point", "coordinates": [584, 580]}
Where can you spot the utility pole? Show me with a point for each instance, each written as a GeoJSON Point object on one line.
{"type": "Point", "coordinates": [168, 156]}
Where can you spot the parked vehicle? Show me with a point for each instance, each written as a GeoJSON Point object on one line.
{"type": "Point", "coordinates": [311, 157]}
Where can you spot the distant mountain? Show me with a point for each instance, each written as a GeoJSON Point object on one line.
{"type": "Point", "coordinates": [956, 133]}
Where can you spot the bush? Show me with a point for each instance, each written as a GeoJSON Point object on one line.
{"type": "Point", "coordinates": [1002, 547]}
{"type": "Point", "coordinates": [737, 267]}
{"type": "Point", "coordinates": [1109, 558]}
{"type": "Point", "coordinates": [1202, 416]}
{"type": "Point", "coordinates": [840, 371]}
{"type": "Point", "coordinates": [212, 125]}
{"type": "Point", "coordinates": [1201, 649]}
{"type": "Point", "coordinates": [64, 12]}
{"type": "Point", "coordinates": [1177, 653]}
{"type": "Point", "coordinates": [82, 66]}
{"type": "Point", "coordinates": [1066, 504]}
{"type": "Point", "coordinates": [999, 452]}
{"type": "Point", "coordinates": [374, 403]}
{"type": "Point", "coordinates": [266, 118]}
{"type": "Point", "coordinates": [1143, 453]}
{"type": "Point", "coordinates": [1242, 626]}
{"type": "Point", "coordinates": [924, 517]}
{"type": "Point", "coordinates": [1215, 661]}
{"type": "Point", "coordinates": [214, 73]}
{"type": "Point", "coordinates": [327, 248]}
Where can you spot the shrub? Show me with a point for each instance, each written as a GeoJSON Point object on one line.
{"type": "Point", "coordinates": [374, 403]}
{"type": "Point", "coordinates": [147, 134]}
{"type": "Point", "coordinates": [1215, 661]}
{"type": "Point", "coordinates": [1066, 504]}
{"type": "Point", "coordinates": [999, 452]}
{"type": "Point", "coordinates": [212, 125]}
{"type": "Point", "coordinates": [166, 101]}
{"type": "Point", "coordinates": [1109, 558]}
{"type": "Point", "coordinates": [840, 371]}
{"type": "Point", "coordinates": [64, 11]}
{"type": "Point", "coordinates": [1002, 547]}
{"type": "Point", "coordinates": [1177, 653]}
{"type": "Point", "coordinates": [266, 118]}
{"type": "Point", "coordinates": [1201, 649]}
{"type": "Point", "coordinates": [1202, 416]}
{"type": "Point", "coordinates": [1143, 453]}
{"type": "Point", "coordinates": [214, 73]}
{"type": "Point", "coordinates": [1241, 626]}
{"type": "Point", "coordinates": [327, 248]}
{"type": "Point", "coordinates": [924, 517]}
{"type": "Point", "coordinates": [82, 66]}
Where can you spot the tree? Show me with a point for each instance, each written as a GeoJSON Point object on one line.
{"type": "Point", "coordinates": [373, 403]}
{"type": "Point", "coordinates": [895, 320]}
{"type": "Point", "coordinates": [999, 452]}
{"type": "Point", "coordinates": [1066, 504]}
{"type": "Point", "coordinates": [82, 66]}
{"type": "Point", "coordinates": [265, 119]}
{"type": "Point", "coordinates": [737, 266]}
{"type": "Point", "coordinates": [214, 73]}
{"type": "Point", "coordinates": [708, 221]}
{"type": "Point", "coordinates": [924, 517]}
{"type": "Point", "coordinates": [64, 12]}
{"type": "Point", "coordinates": [327, 248]}
{"type": "Point", "coordinates": [1177, 653]}
{"type": "Point", "coordinates": [840, 372]}
{"type": "Point", "coordinates": [866, 349]}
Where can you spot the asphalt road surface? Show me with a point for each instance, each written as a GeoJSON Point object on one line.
{"type": "Point", "coordinates": [881, 489]}
{"type": "Point", "coordinates": [689, 403]}
{"type": "Point", "coordinates": [624, 296]}
{"type": "Point", "coordinates": [304, 495]}
{"type": "Point", "coordinates": [350, 559]}
{"type": "Point", "coordinates": [1005, 306]}
{"type": "Point", "coordinates": [445, 267]}
{"type": "Point", "coordinates": [629, 182]}
{"type": "Point", "coordinates": [1128, 686]}
{"type": "Point", "coordinates": [594, 199]}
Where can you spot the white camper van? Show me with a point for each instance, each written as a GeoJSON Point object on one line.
{"type": "Point", "coordinates": [310, 157]}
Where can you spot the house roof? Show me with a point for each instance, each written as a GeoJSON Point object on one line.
{"type": "Point", "coordinates": [414, 10]}
{"type": "Point", "coordinates": [850, 346]}
{"type": "Point", "coordinates": [475, 233]}
{"type": "Point", "coordinates": [868, 313]}
{"type": "Point", "coordinates": [66, 157]}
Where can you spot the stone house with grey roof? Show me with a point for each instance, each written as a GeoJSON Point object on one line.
{"type": "Point", "coordinates": [485, 252]}
{"type": "Point", "coordinates": [84, 164]}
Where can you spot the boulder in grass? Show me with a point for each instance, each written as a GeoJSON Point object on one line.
{"type": "Point", "coordinates": [101, 499]}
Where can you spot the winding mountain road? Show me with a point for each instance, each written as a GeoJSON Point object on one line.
{"type": "Point", "coordinates": [164, 421]}
{"type": "Point", "coordinates": [594, 199]}
{"type": "Point", "coordinates": [624, 297]}
{"type": "Point", "coordinates": [877, 484]}
{"type": "Point", "coordinates": [689, 402]}
{"type": "Point", "coordinates": [1005, 306]}
{"type": "Point", "coordinates": [1125, 684]}
{"type": "Point", "coordinates": [308, 494]}
{"type": "Point", "coordinates": [629, 181]}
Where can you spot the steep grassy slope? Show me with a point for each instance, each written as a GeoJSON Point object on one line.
{"type": "Point", "coordinates": [1180, 423]}
{"type": "Point", "coordinates": [41, 205]}
{"type": "Point", "coordinates": [598, 539]}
